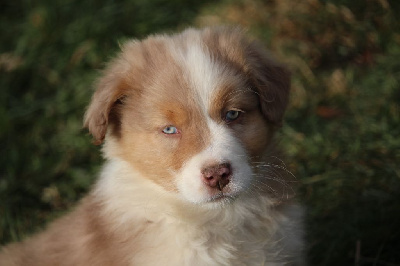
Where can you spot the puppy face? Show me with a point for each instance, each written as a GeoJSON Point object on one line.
{"type": "Point", "coordinates": [192, 112]}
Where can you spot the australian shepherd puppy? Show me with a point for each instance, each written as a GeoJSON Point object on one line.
{"type": "Point", "coordinates": [192, 175]}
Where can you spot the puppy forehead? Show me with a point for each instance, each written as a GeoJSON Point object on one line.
{"type": "Point", "coordinates": [202, 72]}
{"type": "Point", "coordinates": [194, 71]}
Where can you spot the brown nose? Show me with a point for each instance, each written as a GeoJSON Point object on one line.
{"type": "Point", "coordinates": [217, 176]}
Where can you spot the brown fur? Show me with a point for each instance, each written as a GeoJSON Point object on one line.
{"type": "Point", "coordinates": [141, 92]}
{"type": "Point", "coordinates": [270, 80]}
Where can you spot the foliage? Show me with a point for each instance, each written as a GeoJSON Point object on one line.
{"type": "Point", "coordinates": [341, 131]}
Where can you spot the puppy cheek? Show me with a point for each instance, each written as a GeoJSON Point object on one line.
{"type": "Point", "coordinates": [254, 135]}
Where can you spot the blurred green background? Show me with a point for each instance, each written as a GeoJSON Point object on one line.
{"type": "Point", "coordinates": [342, 130]}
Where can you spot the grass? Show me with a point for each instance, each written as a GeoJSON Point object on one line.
{"type": "Point", "coordinates": [342, 128]}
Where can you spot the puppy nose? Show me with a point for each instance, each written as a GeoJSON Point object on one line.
{"type": "Point", "coordinates": [217, 176]}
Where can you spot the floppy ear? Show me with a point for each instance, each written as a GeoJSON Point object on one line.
{"type": "Point", "coordinates": [110, 89]}
{"type": "Point", "coordinates": [271, 81]}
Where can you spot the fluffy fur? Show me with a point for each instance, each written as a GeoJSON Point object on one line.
{"type": "Point", "coordinates": [192, 175]}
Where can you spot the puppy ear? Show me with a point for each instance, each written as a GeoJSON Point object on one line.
{"type": "Point", "coordinates": [109, 92]}
{"type": "Point", "coordinates": [271, 81]}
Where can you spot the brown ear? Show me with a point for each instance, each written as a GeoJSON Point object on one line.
{"type": "Point", "coordinates": [110, 90]}
{"type": "Point", "coordinates": [271, 81]}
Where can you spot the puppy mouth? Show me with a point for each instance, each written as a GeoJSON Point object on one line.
{"type": "Point", "coordinates": [221, 197]}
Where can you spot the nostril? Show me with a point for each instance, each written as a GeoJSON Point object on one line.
{"type": "Point", "coordinates": [217, 176]}
{"type": "Point", "coordinates": [208, 174]}
{"type": "Point", "coordinates": [224, 171]}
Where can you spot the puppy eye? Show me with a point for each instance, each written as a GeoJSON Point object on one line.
{"type": "Point", "coordinates": [232, 115]}
{"type": "Point", "coordinates": [170, 130]}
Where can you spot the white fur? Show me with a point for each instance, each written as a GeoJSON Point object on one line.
{"type": "Point", "coordinates": [200, 70]}
{"type": "Point", "coordinates": [249, 231]}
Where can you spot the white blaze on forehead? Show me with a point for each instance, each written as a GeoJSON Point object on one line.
{"type": "Point", "coordinates": [201, 71]}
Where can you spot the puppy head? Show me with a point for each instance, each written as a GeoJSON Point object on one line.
{"type": "Point", "coordinates": [192, 112]}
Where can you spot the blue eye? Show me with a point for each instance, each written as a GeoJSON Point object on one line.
{"type": "Point", "coordinates": [170, 130]}
{"type": "Point", "coordinates": [232, 115]}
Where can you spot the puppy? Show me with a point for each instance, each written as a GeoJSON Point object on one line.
{"type": "Point", "coordinates": [191, 174]}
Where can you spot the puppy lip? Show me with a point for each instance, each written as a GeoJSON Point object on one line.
{"type": "Point", "coordinates": [221, 197]}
